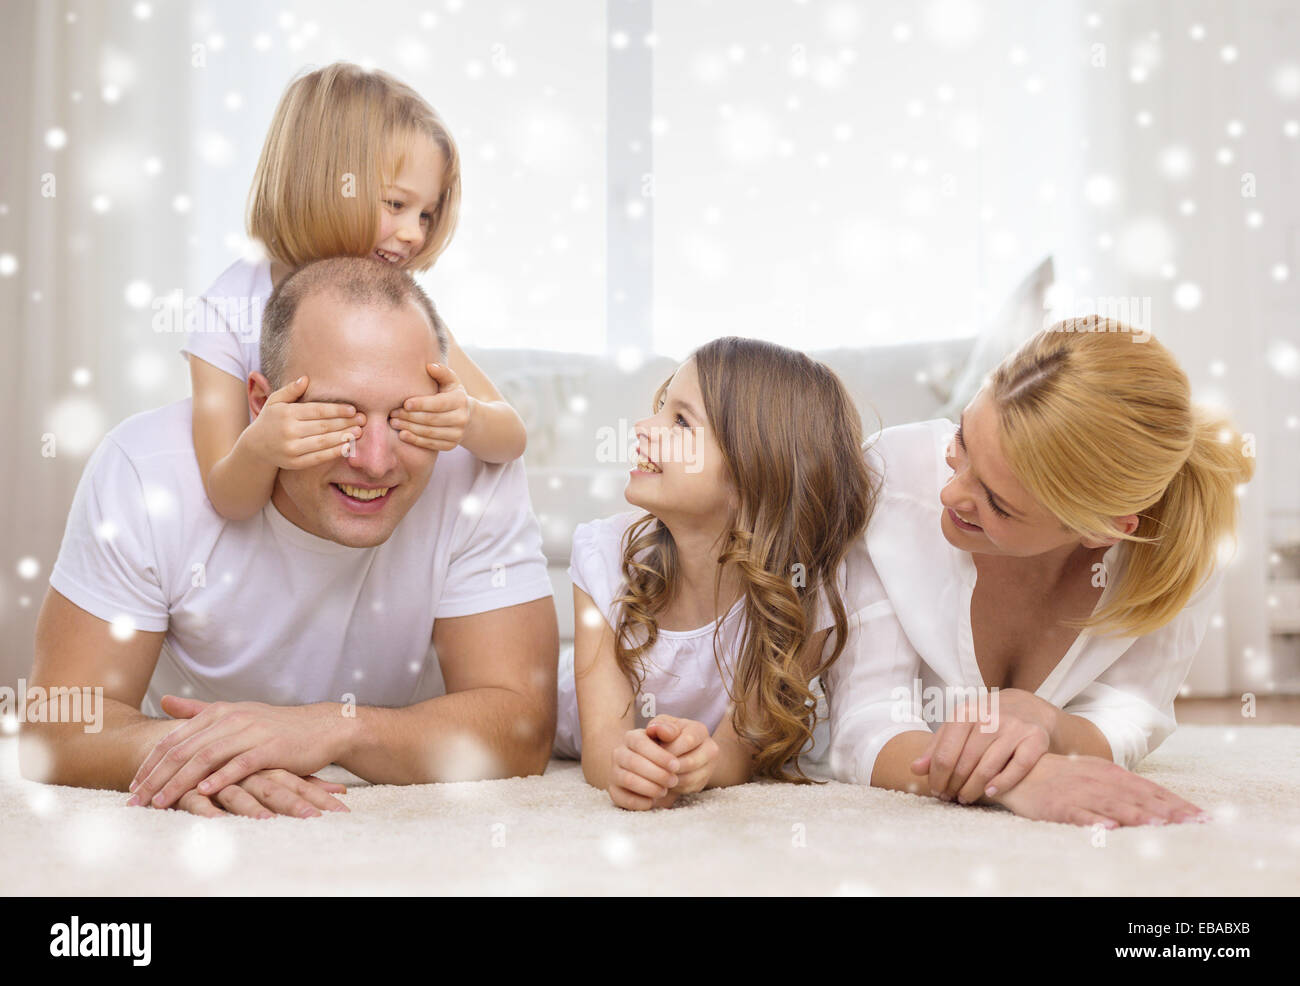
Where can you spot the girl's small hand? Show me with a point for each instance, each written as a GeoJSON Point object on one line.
{"type": "Point", "coordinates": [436, 422]}
{"type": "Point", "coordinates": [643, 772]}
{"type": "Point", "coordinates": [292, 435]}
{"type": "Point", "coordinates": [692, 745]}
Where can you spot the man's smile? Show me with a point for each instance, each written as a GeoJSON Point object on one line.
{"type": "Point", "coordinates": [362, 499]}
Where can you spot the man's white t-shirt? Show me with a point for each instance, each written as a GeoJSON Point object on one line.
{"type": "Point", "coordinates": [261, 610]}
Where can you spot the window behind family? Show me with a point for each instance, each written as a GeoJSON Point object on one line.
{"type": "Point", "coordinates": [630, 175]}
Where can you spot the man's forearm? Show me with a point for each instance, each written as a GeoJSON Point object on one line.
{"type": "Point", "coordinates": [64, 753]}
{"type": "Point", "coordinates": [476, 734]}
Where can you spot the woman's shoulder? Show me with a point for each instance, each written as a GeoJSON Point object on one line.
{"type": "Point", "coordinates": [914, 441]}
{"type": "Point", "coordinates": [908, 458]}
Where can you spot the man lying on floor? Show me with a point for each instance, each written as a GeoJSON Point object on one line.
{"type": "Point", "coordinates": [300, 637]}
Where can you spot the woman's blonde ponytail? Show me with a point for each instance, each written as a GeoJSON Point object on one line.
{"type": "Point", "coordinates": [1184, 532]}
{"type": "Point", "coordinates": [1097, 422]}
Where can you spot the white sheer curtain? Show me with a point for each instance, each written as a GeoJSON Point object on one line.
{"type": "Point", "coordinates": [95, 152]}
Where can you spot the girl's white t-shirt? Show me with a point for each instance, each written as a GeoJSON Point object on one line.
{"type": "Point", "coordinates": [224, 327]}
{"type": "Point", "coordinates": [1124, 685]}
{"type": "Point", "coordinates": [682, 677]}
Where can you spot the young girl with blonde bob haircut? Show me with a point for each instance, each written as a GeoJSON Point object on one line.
{"type": "Point", "coordinates": [1061, 544]}
{"type": "Point", "coordinates": [704, 617]}
{"type": "Point", "coordinates": [356, 163]}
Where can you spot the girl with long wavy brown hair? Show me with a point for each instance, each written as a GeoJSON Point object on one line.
{"type": "Point", "coordinates": [704, 618]}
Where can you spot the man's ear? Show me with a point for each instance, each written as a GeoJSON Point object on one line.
{"type": "Point", "coordinates": [259, 389]}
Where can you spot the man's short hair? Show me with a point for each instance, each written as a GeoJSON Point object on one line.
{"type": "Point", "coordinates": [359, 280]}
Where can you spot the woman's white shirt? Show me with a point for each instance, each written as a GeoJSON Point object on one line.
{"type": "Point", "coordinates": [895, 681]}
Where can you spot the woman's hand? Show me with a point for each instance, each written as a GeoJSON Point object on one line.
{"type": "Point", "coordinates": [1092, 791]}
{"type": "Point", "coordinates": [977, 756]}
{"type": "Point", "coordinates": [695, 749]}
{"type": "Point", "coordinates": [438, 421]}
{"type": "Point", "coordinates": [642, 772]}
{"type": "Point", "coordinates": [291, 435]}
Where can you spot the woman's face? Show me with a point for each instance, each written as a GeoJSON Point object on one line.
{"type": "Point", "coordinates": [987, 510]}
{"type": "Point", "coordinates": [678, 472]}
{"type": "Point", "coordinates": [410, 203]}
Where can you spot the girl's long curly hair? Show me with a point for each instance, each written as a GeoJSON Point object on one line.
{"type": "Point", "coordinates": [791, 441]}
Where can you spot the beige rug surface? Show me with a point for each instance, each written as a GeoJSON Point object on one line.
{"type": "Point", "coordinates": [555, 835]}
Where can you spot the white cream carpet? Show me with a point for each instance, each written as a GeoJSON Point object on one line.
{"type": "Point", "coordinates": [555, 835]}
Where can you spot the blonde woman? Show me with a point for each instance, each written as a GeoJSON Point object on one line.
{"type": "Point", "coordinates": [356, 163]}
{"type": "Point", "coordinates": [704, 616]}
{"type": "Point", "coordinates": [1060, 544]}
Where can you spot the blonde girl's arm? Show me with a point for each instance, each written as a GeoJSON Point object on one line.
{"type": "Point", "coordinates": [237, 482]}
{"type": "Point", "coordinates": [495, 432]}
{"type": "Point", "coordinates": [616, 756]}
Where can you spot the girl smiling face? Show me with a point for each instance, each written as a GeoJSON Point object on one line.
{"type": "Point", "coordinates": [986, 508]}
{"type": "Point", "coordinates": [680, 470]}
{"type": "Point", "coordinates": [410, 202]}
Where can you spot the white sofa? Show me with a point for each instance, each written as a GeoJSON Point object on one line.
{"type": "Point", "coordinates": [566, 399]}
